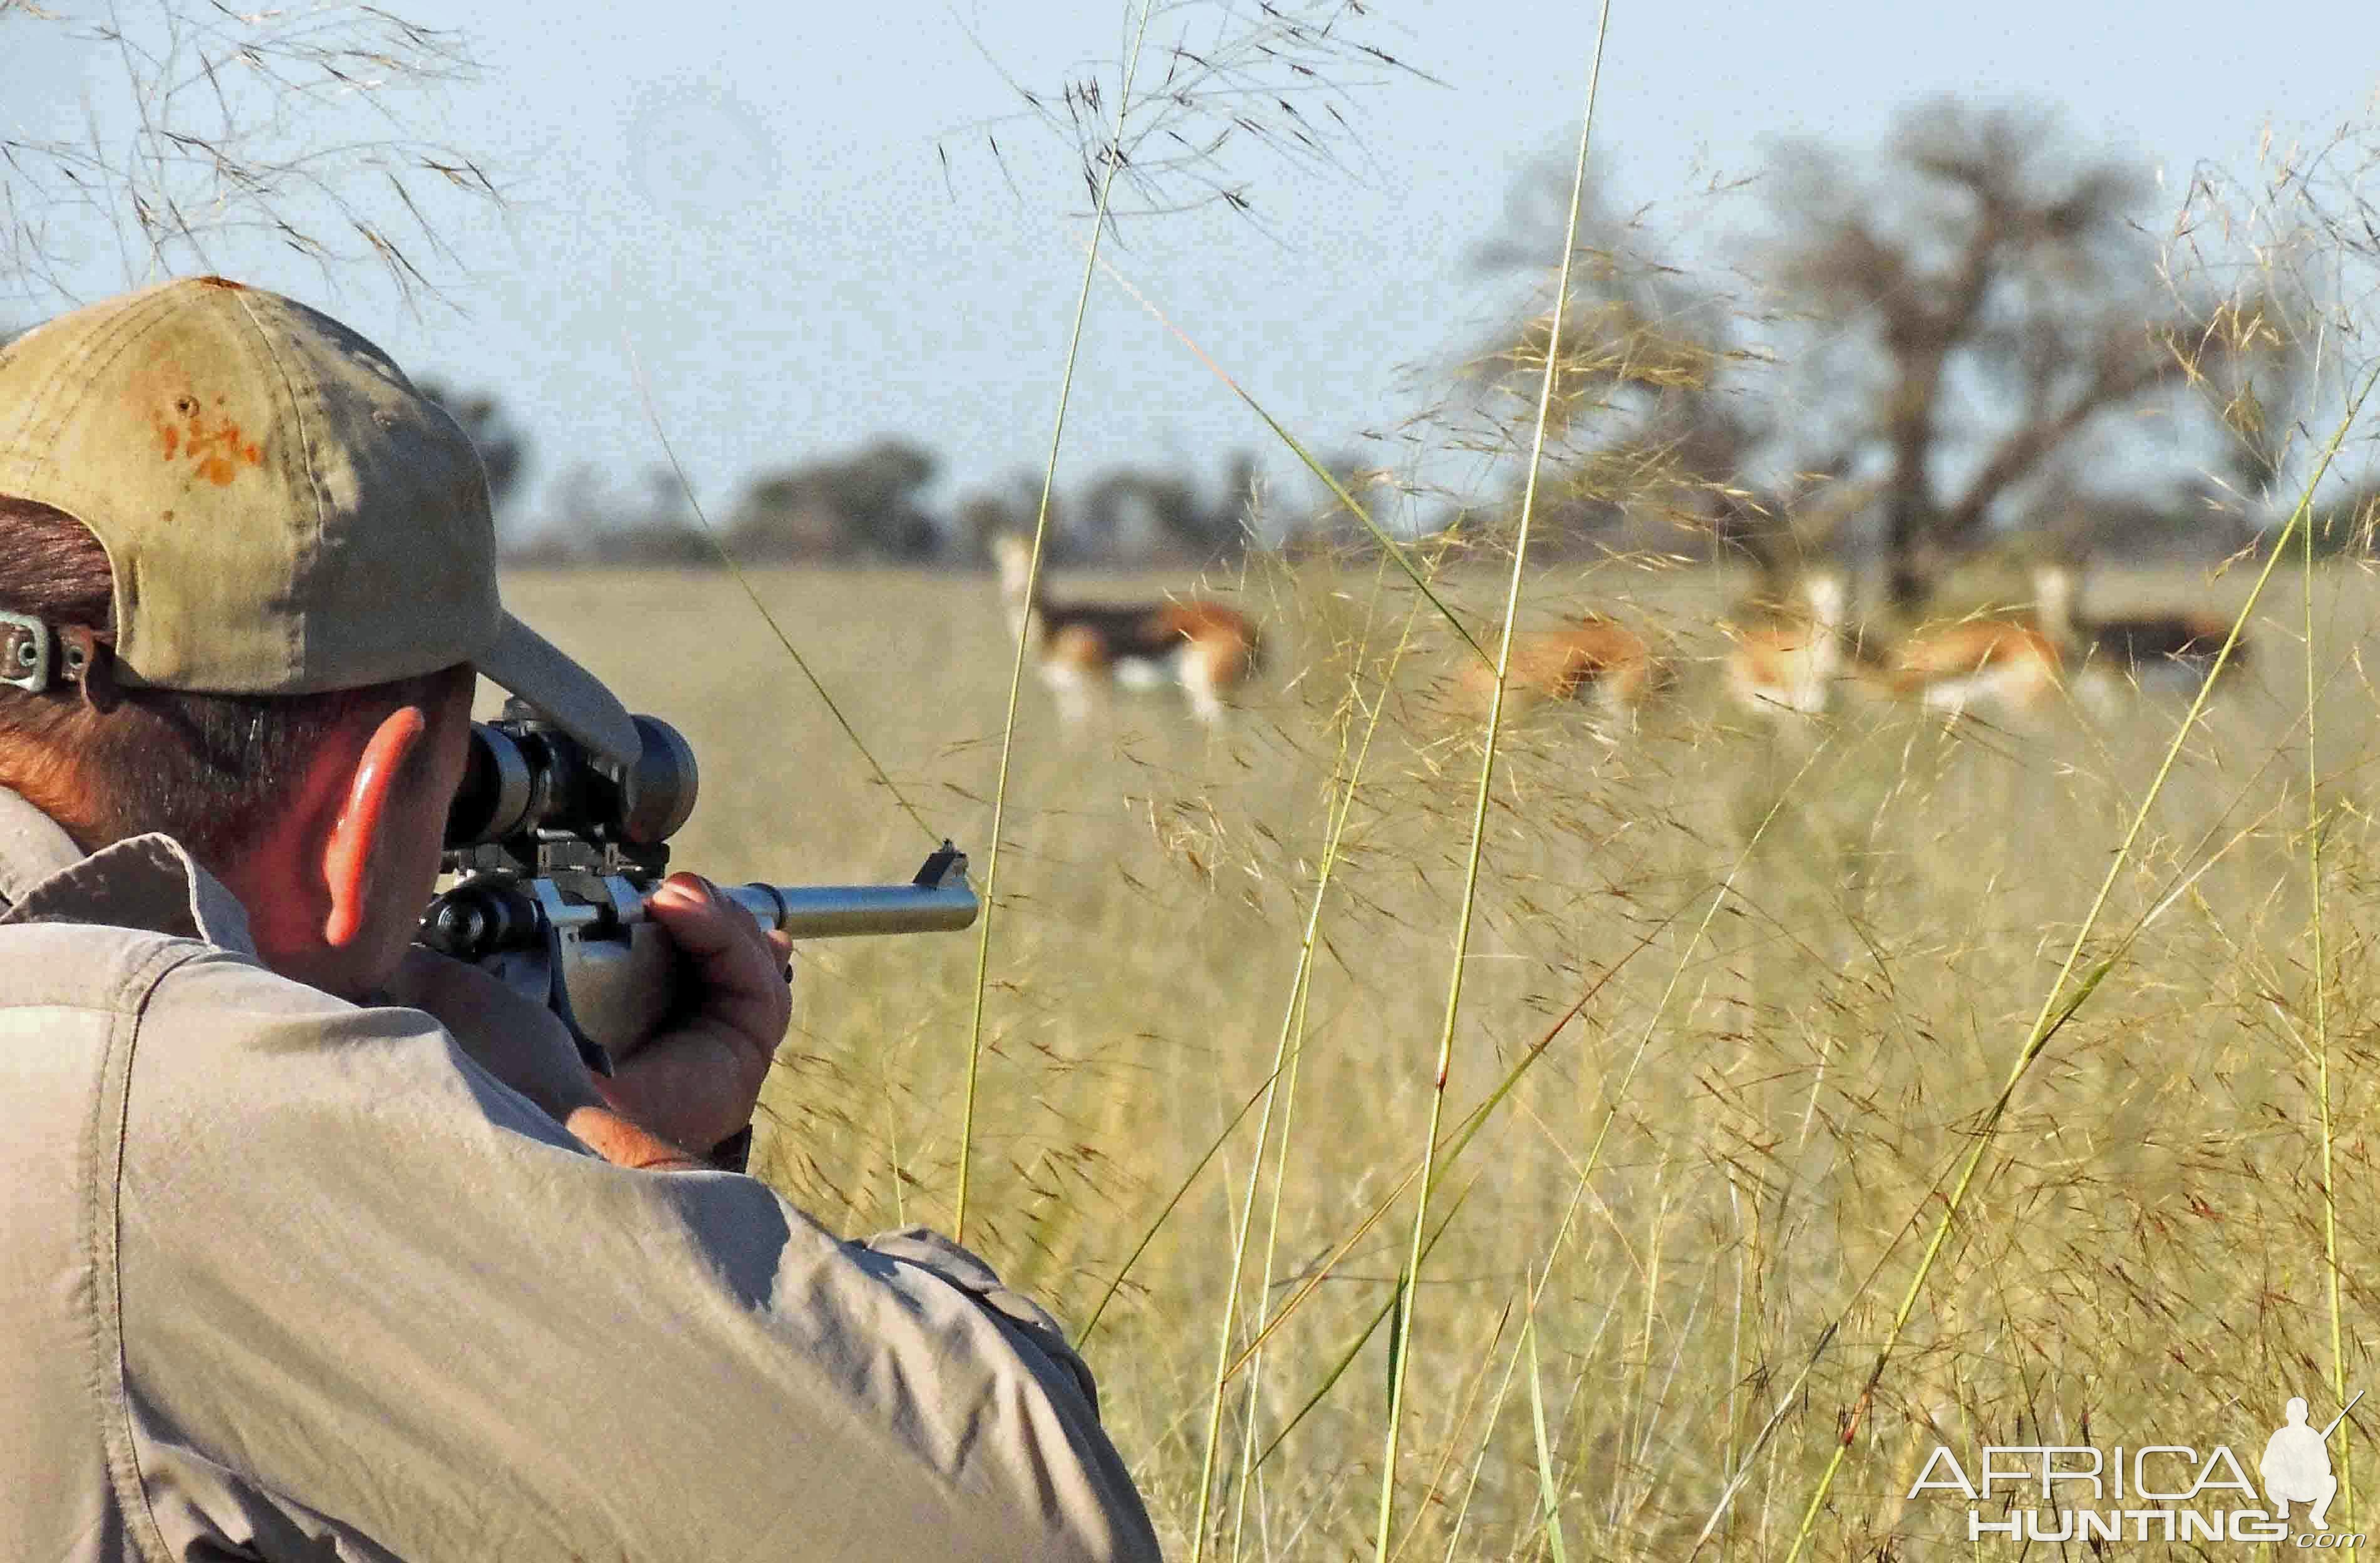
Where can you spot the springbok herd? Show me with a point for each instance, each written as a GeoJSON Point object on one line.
{"type": "Point", "coordinates": [1794, 652]}
{"type": "Point", "coordinates": [1993, 663]}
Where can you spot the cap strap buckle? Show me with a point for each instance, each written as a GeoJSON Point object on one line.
{"type": "Point", "coordinates": [28, 652]}
{"type": "Point", "coordinates": [35, 657]}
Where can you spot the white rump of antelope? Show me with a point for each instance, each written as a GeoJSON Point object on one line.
{"type": "Point", "coordinates": [1080, 648]}
{"type": "Point", "coordinates": [1792, 642]}
{"type": "Point", "coordinates": [1787, 660]}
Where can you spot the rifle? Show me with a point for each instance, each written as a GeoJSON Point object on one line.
{"type": "Point", "coordinates": [558, 851]}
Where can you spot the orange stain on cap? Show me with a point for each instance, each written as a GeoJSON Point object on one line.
{"type": "Point", "coordinates": [217, 448]}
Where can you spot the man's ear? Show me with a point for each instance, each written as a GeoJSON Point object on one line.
{"type": "Point", "coordinates": [363, 810]}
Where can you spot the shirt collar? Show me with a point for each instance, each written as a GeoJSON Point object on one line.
{"type": "Point", "coordinates": [146, 882]}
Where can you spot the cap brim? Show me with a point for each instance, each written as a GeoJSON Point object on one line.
{"type": "Point", "coordinates": [534, 668]}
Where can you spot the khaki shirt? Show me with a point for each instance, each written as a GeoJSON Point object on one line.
{"type": "Point", "coordinates": [284, 1277]}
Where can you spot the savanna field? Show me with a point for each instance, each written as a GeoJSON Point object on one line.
{"type": "Point", "coordinates": [1740, 993]}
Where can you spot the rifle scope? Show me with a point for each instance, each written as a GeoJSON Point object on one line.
{"type": "Point", "coordinates": [525, 777]}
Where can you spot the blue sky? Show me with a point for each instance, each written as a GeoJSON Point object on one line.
{"type": "Point", "coordinates": [748, 207]}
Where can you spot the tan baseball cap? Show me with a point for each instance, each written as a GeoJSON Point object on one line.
{"type": "Point", "coordinates": [284, 513]}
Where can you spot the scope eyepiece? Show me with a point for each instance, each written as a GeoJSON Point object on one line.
{"type": "Point", "coordinates": [524, 777]}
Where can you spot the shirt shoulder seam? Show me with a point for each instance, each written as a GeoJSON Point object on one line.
{"type": "Point", "coordinates": [103, 1232]}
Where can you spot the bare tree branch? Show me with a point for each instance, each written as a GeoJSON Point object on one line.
{"type": "Point", "coordinates": [1983, 243]}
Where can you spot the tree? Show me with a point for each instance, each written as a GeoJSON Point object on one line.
{"type": "Point", "coordinates": [867, 503]}
{"type": "Point", "coordinates": [1988, 299]}
{"type": "Point", "coordinates": [1132, 514]}
{"type": "Point", "coordinates": [1226, 529]}
{"type": "Point", "coordinates": [1140, 514]}
{"type": "Point", "coordinates": [987, 513]}
{"type": "Point", "coordinates": [502, 446]}
{"type": "Point", "coordinates": [589, 521]}
{"type": "Point", "coordinates": [1641, 416]}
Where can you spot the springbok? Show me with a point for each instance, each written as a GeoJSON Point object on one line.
{"type": "Point", "coordinates": [1794, 649]}
{"type": "Point", "coordinates": [1081, 648]}
{"type": "Point", "coordinates": [1596, 655]}
{"type": "Point", "coordinates": [1789, 661]}
{"type": "Point", "coordinates": [1964, 665]}
{"type": "Point", "coordinates": [2175, 651]}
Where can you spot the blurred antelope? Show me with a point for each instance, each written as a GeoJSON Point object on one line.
{"type": "Point", "coordinates": [1789, 661]}
{"type": "Point", "coordinates": [1596, 655]}
{"type": "Point", "coordinates": [1081, 648]}
{"type": "Point", "coordinates": [1794, 652]}
{"type": "Point", "coordinates": [1972, 663]}
{"type": "Point", "coordinates": [2171, 650]}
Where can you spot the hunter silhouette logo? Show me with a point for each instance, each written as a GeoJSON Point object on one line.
{"type": "Point", "coordinates": [2151, 1491]}
{"type": "Point", "coordinates": [2296, 1467]}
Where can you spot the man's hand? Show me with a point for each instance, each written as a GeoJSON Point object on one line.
{"type": "Point", "coordinates": [695, 1082]}
{"type": "Point", "coordinates": [689, 1088]}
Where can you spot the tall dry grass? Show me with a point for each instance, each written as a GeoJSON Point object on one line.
{"type": "Point", "coordinates": [1737, 996]}
{"type": "Point", "coordinates": [1806, 954]}
{"type": "Point", "coordinates": [1800, 1095]}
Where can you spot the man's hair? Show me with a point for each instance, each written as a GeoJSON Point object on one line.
{"type": "Point", "coordinates": [207, 769]}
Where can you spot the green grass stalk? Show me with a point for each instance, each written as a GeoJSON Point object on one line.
{"type": "Point", "coordinates": [1285, 1057]}
{"type": "Point", "coordinates": [1291, 1047]}
{"type": "Point", "coordinates": [711, 535]}
{"type": "Point", "coordinates": [1536, 1294]}
{"type": "Point", "coordinates": [1400, 1346]}
{"type": "Point", "coordinates": [1548, 1483]}
{"type": "Point", "coordinates": [1389, 545]}
{"type": "Point", "coordinates": [1463, 1417]}
{"type": "Point", "coordinates": [2058, 1005]}
{"type": "Point", "coordinates": [2314, 825]}
{"type": "Point", "coordinates": [1393, 1308]}
{"type": "Point", "coordinates": [1024, 642]}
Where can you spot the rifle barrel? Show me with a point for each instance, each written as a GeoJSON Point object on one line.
{"type": "Point", "coordinates": [834, 912]}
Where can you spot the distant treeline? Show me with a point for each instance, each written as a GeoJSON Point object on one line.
{"type": "Point", "coordinates": [869, 506]}
{"type": "Point", "coordinates": [1970, 335]}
